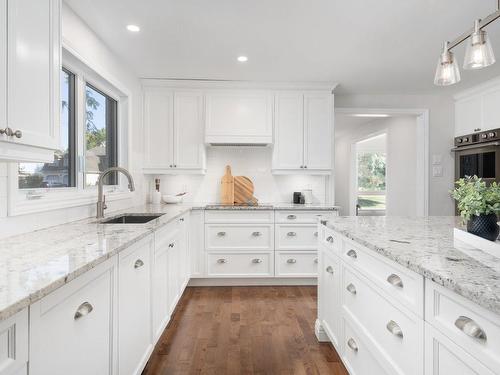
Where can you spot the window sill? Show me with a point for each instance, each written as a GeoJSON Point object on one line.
{"type": "Point", "coordinates": [56, 201]}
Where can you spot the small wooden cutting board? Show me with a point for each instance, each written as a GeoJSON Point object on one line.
{"type": "Point", "coordinates": [243, 191]}
{"type": "Point", "coordinates": [227, 187]}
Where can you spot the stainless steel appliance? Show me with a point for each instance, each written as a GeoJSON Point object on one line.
{"type": "Point", "coordinates": [478, 154]}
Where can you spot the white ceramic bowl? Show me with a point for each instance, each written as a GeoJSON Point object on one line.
{"type": "Point", "coordinates": [167, 198]}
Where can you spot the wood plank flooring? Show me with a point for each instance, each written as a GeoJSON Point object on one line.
{"type": "Point", "coordinates": [244, 330]}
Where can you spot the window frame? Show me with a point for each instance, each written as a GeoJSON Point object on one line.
{"type": "Point", "coordinates": [24, 201]}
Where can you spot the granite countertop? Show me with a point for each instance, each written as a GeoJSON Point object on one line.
{"type": "Point", "coordinates": [428, 247]}
{"type": "Point", "coordinates": [36, 263]}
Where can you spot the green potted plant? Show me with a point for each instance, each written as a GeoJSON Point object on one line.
{"type": "Point", "coordinates": [479, 205]}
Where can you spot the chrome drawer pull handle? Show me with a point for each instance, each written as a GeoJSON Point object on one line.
{"type": "Point", "coordinates": [171, 244]}
{"type": "Point", "coordinates": [82, 310]}
{"type": "Point", "coordinates": [221, 234]}
{"type": "Point", "coordinates": [315, 260]}
{"type": "Point", "coordinates": [138, 263]}
{"type": "Point", "coordinates": [352, 254]}
{"type": "Point", "coordinates": [329, 269]}
{"type": "Point", "coordinates": [470, 328]}
{"type": "Point", "coordinates": [256, 234]}
{"type": "Point", "coordinates": [256, 260]}
{"type": "Point", "coordinates": [394, 328]}
{"type": "Point", "coordinates": [291, 260]}
{"type": "Point", "coordinates": [352, 344]}
{"type": "Point", "coordinates": [222, 261]}
{"type": "Point", "coordinates": [329, 239]}
{"type": "Point", "coordinates": [351, 288]}
{"type": "Point", "coordinates": [395, 280]}
{"type": "Point", "coordinates": [316, 234]}
{"type": "Point", "coordinates": [291, 234]}
{"type": "Point", "coordinates": [291, 217]}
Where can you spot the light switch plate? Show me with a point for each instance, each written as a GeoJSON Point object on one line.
{"type": "Point", "coordinates": [437, 171]}
{"type": "Point", "coordinates": [437, 159]}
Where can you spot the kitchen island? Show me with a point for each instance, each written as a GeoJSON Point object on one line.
{"type": "Point", "coordinates": [402, 295]}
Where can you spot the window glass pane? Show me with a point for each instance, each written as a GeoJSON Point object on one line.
{"type": "Point", "coordinates": [100, 135]}
{"type": "Point", "coordinates": [371, 171]}
{"type": "Point", "coordinates": [61, 172]}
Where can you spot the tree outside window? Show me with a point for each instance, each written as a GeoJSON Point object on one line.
{"type": "Point", "coordinates": [371, 180]}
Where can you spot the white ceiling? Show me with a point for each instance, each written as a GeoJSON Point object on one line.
{"type": "Point", "coordinates": [367, 46]}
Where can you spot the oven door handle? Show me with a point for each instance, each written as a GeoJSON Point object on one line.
{"type": "Point", "coordinates": [477, 145]}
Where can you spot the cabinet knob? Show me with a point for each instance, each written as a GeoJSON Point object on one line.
{"type": "Point", "coordinates": [221, 234]}
{"type": "Point", "coordinates": [171, 244]}
{"type": "Point", "coordinates": [256, 260]}
{"type": "Point", "coordinates": [181, 219]}
{"type": "Point", "coordinates": [291, 217]}
{"type": "Point", "coordinates": [394, 328]}
{"type": "Point", "coordinates": [352, 253]}
{"type": "Point", "coordinates": [351, 289]}
{"type": "Point", "coordinates": [329, 269]}
{"type": "Point", "coordinates": [329, 239]}
{"type": "Point", "coordinates": [82, 310]}
{"type": "Point", "coordinates": [305, 166]}
{"type": "Point", "coordinates": [352, 344]}
{"type": "Point", "coordinates": [291, 261]}
{"type": "Point", "coordinates": [256, 234]}
{"type": "Point", "coordinates": [395, 280]}
{"type": "Point", "coordinates": [138, 263]}
{"type": "Point", "coordinates": [470, 328]}
{"type": "Point", "coordinates": [222, 261]}
{"type": "Point", "coordinates": [291, 234]}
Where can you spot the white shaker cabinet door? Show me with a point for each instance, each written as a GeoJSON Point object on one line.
{"type": "Point", "coordinates": [318, 115]}
{"type": "Point", "coordinates": [288, 151]}
{"type": "Point", "coordinates": [189, 147]}
{"type": "Point", "coordinates": [33, 56]}
{"type": "Point", "coordinates": [329, 289]}
{"type": "Point", "coordinates": [134, 307]}
{"type": "Point", "coordinates": [159, 129]}
{"type": "Point", "coordinates": [72, 330]}
{"type": "Point", "coordinates": [468, 115]}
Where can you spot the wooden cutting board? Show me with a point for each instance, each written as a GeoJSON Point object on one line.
{"type": "Point", "coordinates": [243, 191]}
{"type": "Point", "coordinates": [227, 187]}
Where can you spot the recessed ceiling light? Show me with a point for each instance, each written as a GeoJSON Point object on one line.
{"type": "Point", "coordinates": [370, 115]}
{"type": "Point", "coordinates": [242, 58]}
{"type": "Point", "coordinates": [133, 28]}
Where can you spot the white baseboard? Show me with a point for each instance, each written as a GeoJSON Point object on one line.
{"type": "Point", "coordinates": [320, 332]}
{"type": "Point", "coordinates": [271, 281]}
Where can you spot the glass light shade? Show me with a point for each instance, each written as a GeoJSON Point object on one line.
{"type": "Point", "coordinates": [447, 72]}
{"type": "Point", "coordinates": [478, 53]}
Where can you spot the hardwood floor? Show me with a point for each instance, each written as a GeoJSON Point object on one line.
{"type": "Point", "coordinates": [244, 330]}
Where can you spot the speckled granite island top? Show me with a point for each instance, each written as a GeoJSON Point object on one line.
{"type": "Point", "coordinates": [34, 264]}
{"type": "Point", "coordinates": [427, 246]}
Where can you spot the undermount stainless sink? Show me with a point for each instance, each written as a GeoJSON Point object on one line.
{"type": "Point", "coordinates": [132, 219]}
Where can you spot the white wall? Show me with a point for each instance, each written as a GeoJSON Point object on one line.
{"type": "Point", "coordinates": [254, 163]}
{"type": "Point", "coordinates": [441, 132]}
{"type": "Point", "coordinates": [90, 48]}
{"type": "Point", "coordinates": [401, 163]}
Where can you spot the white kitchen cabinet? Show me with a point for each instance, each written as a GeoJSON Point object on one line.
{"type": "Point", "coordinates": [303, 132]}
{"type": "Point", "coordinates": [134, 307]}
{"type": "Point", "coordinates": [174, 287]}
{"type": "Point", "coordinates": [329, 294]}
{"type": "Point", "coordinates": [239, 117]}
{"type": "Point", "coordinates": [183, 251]}
{"type": "Point", "coordinates": [197, 243]}
{"type": "Point", "coordinates": [296, 264]}
{"type": "Point", "coordinates": [491, 110]}
{"type": "Point", "coordinates": [173, 122]}
{"type": "Point", "coordinates": [30, 52]}
{"type": "Point", "coordinates": [14, 344]}
{"type": "Point", "coordinates": [72, 329]}
{"type": "Point", "coordinates": [469, 115]}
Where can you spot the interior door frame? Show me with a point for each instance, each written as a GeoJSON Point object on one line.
{"type": "Point", "coordinates": [422, 151]}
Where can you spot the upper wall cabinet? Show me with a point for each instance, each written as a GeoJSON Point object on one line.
{"type": "Point", "coordinates": [30, 63]}
{"type": "Point", "coordinates": [478, 109]}
{"type": "Point", "coordinates": [173, 122]}
{"type": "Point", "coordinates": [303, 132]}
{"type": "Point", "coordinates": [239, 117]}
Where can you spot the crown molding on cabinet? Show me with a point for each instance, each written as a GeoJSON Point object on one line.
{"type": "Point", "coordinates": [483, 88]}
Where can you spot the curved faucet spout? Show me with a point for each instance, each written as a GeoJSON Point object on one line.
{"type": "Point", "coordinates": [101, 203]}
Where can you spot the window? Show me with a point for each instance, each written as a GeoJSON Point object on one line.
{"type": "Point", "coordinates": [371, 168]}
{"type": "Point", "coordinates": [100, 135]}
{"type": "Point", "coordinates": [61, 172]}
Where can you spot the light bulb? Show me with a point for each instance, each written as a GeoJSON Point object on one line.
{"type": "Point", "coordinates": [447, 72]}
{"type": "Point", "coordinates": [479, 53]}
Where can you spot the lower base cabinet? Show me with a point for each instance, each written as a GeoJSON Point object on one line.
{"type": "Point", "coordinates": [14, 344]}
{"type": "Point", "coordinates": [72, 330]}
{"type": "Point", "coordinates": [329, 298]}
{"type": "Point", "coordinates": [134, 307]}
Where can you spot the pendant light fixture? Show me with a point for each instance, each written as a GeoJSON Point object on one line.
{"type": "Point", "coordinates": [479, 53]}
{"type": "Point", "coordinates": [447, 72]}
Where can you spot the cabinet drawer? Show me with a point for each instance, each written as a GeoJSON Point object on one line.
{"type": "Point", "coordinates": [398, 335]}
{"type": "Point", "coordinates": [443, 357]}
{"type": "Point", "coordinates": [454, 315]}
{"type": "Point", "coordinates": [14, 343]}
{"type": "Point", "coordinates": [239, 237]}
{"type": "Point", "coordinates": [356, 352]}
{"type": "Point", "coordinates": [240, 264]}
{"type": "Point", "coordinates": [239, 216]}
{"type": "Point", "coordinates": [296, 264]}
{"type": "Point", "coordinates": [299, 217]}
{"type": "Point", "coordinates": [404, 286]}
{"type": "Point", "coordinates": [296, 237]}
